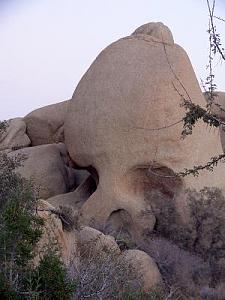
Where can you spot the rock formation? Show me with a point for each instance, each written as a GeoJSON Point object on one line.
{"type": "Point", "coordinates": [116, 144]}
{"type": "Point", "coordinates": [125, 121]}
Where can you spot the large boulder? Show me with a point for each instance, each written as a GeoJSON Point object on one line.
{"type": "Point", "coordinates": [45, 125]}
{"type": "Point", "coordinates": [14, 136]}
{"type": "Point", "coordinates": [125, 121]}
{"type": "Point", "coordinates": [47, 167]}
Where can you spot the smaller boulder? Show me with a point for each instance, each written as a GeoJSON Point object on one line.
{"type": "Point", "coordinates": [46, 125]}
{"type": "Point", "coordinates": [47, 168]}
{"type": "Point", "coordinates": [92, 241]}
{"type": "Point", "coordinates": [145, 268]}
{"type": "Point", "coordinates": [14, 136]}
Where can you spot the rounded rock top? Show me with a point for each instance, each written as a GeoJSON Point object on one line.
{"type": "Point", "coordinates": [156, 30]}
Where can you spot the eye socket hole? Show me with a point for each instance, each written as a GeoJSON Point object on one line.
{"type": "Point", "coordinates": [143, 179]}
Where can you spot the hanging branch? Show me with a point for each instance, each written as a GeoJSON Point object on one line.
{"type": "Point", "coordinates": [194, 114]}
{"type": "Point", "coordinates": [215, 37]}
{"type": "Point", "coordinates": [208, 166]}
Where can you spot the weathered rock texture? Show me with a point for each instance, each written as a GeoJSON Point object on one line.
{"type": "Point", "coordinates": [45, 125]}
{"type": "Point", "coordinates": [15, 135]}
{"type": "Point", "coordinates": [47, 166]}
{"type": "Point", "coordinates": [54, 234]}
{"type": "Point", "coordinates": [157, 31]}
{"type": "Point", "coordinates": [125, 121]}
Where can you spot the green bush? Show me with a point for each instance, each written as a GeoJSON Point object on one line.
{"type": "Point", "coordinates": [20, 230]}
{"type": "Point", "coordinates": [20, 227]}
{"type": "Point", "coordinates": [50, 279]}
{"type": "Point", "coordinates": [6, 291]}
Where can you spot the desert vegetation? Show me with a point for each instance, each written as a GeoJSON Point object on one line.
{"type": "Point", "coordinates": [20, 231]}
{"type": "Point", "coordinates": [104, 275]}
{"type": "Point", "coordinates": [191, 256]}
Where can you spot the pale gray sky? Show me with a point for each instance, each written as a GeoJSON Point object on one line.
{"type": "Point", "coordinates": [47, 45]}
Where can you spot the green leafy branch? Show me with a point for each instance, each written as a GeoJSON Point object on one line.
{"type": "Point", "coordinates": [194, 114]}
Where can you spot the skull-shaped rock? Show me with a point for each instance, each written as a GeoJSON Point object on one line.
{"type": "Point", "coordinates": [125, 122]}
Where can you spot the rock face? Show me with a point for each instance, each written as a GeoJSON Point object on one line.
{"type": "Point", "coordinates": [45, 125]}
{"type": "Point", "coordinates": [125, 121]}
{"type": "Point", "coordinates": [47, 166]}
{"type": "Point", "coordinates": [15, 135]}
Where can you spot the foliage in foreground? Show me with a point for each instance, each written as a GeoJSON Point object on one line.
{"type": "Point", "coordinates": [105, 275]}
{"type": "Point", "coordinates": [49, 280]}
{"type": "Point", "coordinates": [20, 231]}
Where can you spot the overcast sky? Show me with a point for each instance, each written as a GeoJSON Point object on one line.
{"type": "Point", "coordinates": [47, 45]}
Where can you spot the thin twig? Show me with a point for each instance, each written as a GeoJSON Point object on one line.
{"type": "Point", "coordinates": [211, 15]}
{"type": "Point", "coordinates": [219, 18]}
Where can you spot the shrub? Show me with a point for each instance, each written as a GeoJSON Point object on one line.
{"type": "Point", "coordinates": [204, 234]}
{"type": "Point", "coordinates": [20, 230]}
{"type": "Point", "coordinates": [192, 254]}
{"type": "Point", "coordinates": [104, 275]}
{"type": "Point", "coordinates": [6, 291]}
{"type": "Point", "coordinates": [182, 271]}
{"type": "Point", "coordinates": [50, 279]}
{"type": "Point", "coordinates": [207, 209]}
{"type": "Point", "coordinates": [3, 126]}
